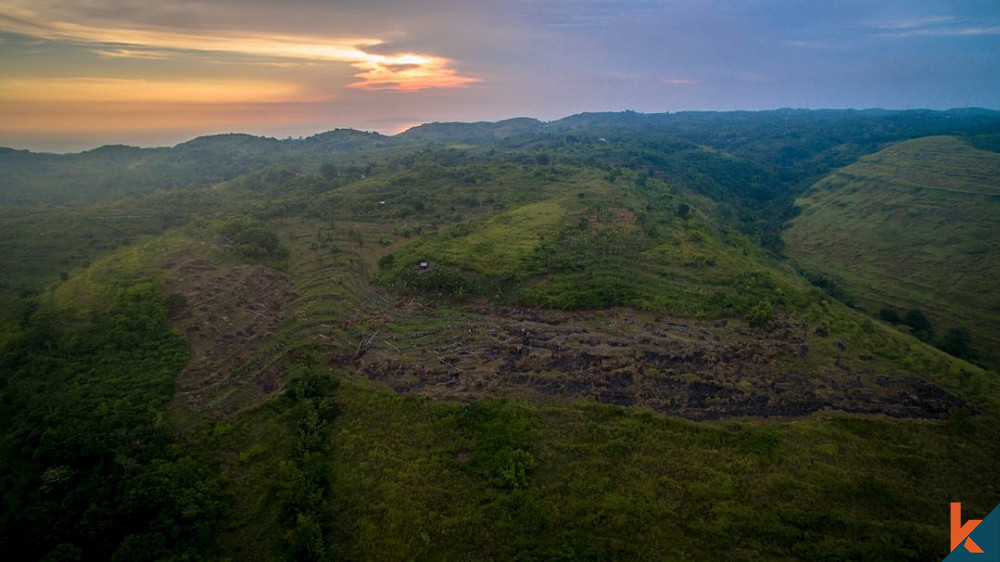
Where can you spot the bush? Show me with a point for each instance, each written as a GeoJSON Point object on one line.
{"type": "Point", "coordinates": [890, 315]}
{"type": "Point", "coordinates": [920, 325]}
{"type": "Point", "coordinates": [387, 261]}
{"type": "Point", "coordinates": [760, 315]}
{"type": "Point", "coordinates": [252, 238]}
{"type": "Point", "coordinates": [958, 342]}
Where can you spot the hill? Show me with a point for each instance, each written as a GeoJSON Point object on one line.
{"type": "Point", "coordinates": [112, 172]}
{"type": "Point", "coordinates": [471, 131]}
{"type": "Point", "coordinates": [603, 356]}
{"type": "Point", "coordinates": [911, 227]}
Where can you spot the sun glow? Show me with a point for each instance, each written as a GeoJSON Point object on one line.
{"type": "Point", "coordinates": [404, 72]}
{"type": "Point", "coordinates": [111, 104]}
{"type": "Point", "coordinates": [128, 91]}
{"type": "Point", "coordinates": [407, 72]}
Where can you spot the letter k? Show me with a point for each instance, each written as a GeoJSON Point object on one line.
{"type": "Point", "coordinates": [961, 532]}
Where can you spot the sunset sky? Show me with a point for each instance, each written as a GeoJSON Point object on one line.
{"type": "Point", "coordinates": [75, 74]}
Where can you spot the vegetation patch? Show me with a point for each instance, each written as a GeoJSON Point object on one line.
{"type": "Point", "coordinates": [574, 340]}
{"type": "Point", "coordinates": [911, 228]}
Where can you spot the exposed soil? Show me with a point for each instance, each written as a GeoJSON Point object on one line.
{"type": "Point", "coordinates": [229, 320]}
{"type": "Point", "coordinates": [698, 370]}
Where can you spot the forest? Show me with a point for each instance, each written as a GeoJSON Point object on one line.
{"type": "Point", "coordinates": [683, 336]}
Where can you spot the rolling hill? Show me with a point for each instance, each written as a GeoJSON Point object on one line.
{"type": "Point", "coordinates": [913, 226]}
{"type": "Point", "coordinates": [605, 356]}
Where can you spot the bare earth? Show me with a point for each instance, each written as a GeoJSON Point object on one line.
{"type": "Point", "coordinates": [699, 370]}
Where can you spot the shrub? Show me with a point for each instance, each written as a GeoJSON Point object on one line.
{"type": "Point", "coordinates": [760, 314]}
{"type": "Point", "coordinates": [920, 325]}
{"type": "Point", "coordinates": [252, 238]}
{"type": "Point", "coordinates": [958, 342]}
{"type": "Point", "coordinates": [890, 316]}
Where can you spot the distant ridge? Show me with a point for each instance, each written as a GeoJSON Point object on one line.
{"type": "Point", "coordinates": [928, 122]}
{"type": "Point", "coordinates": [933, 122]}
{"type": "Point", "coordinates": [113, 170]}
{"type": "Point", "coordinates": [482, 130]}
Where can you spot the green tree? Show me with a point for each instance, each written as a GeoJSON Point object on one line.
{"type": "Point", "coordinates": [920, 325]}
{"type": "Point", "coordinates": [760, 315]}
{"type": "Point", "coordinates": [683, 211]}
{"type": "Point", "coordinates": [252, 238]}
{"type": "Point", "coordinates": [328, 171]}
{"type": "Point", "coordinates": [958, 342]}
{"type": "Point", "coordinates": [890, 315]}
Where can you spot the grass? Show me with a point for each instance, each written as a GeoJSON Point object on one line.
{"type": "Point", "coordinates": [594, 241]}
{"type": "Point", "coordinates": [404, 476]}
{"type": "Point", "coordinates": [614, 483]}
{"type": "Point", "coordinates": [499, 244]}
{"type": "Point", "coordinates": [911, 227]}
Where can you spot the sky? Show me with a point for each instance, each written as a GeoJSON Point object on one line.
{"type": "Point", "coordinates": [76, 74]}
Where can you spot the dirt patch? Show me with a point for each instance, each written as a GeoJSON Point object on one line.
{"type": "Point", "coordinates": [695, 369]}
{"type": "Point", "coordinates": [698, 370]}
{"type": "Point", "coordinates": [228, 318]}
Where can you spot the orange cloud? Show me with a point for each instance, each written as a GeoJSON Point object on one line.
{"type": "Point", "coordinates": [405, 72]}
{"type": "Point", "coordinates": [133, 54]}
{"type": "Point", "coordinates": [126, 91]}
{"type": "Point", "coordinates": [109, 104]}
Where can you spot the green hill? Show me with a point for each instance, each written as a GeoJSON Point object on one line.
{"type": "Point", "coordinates": [913, 226]}
{"type": "Point", "coordinates": [600, 361]}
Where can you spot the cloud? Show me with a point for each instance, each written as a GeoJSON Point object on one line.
{"type": "Point", "coordinates": [134, 54]}
{"type": "Point", "coordinates": [407, 72]}
{"type": "Point", "coordinates": [913, 23]}
{"type": "Point", "coordinates": [934, 26]}
{"type": "Point", "coordinates": [134, 91]}
{"type": "Point", "coordinates": [57, 106]}
{"type": "Point", "coordinates": [951, 31]}
{"type": "Point", "coordinates": [401, 71]}
{"type": "Point", "coordinates": [584, 14]}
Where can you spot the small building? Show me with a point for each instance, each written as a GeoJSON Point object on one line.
{"type": "Point", "coordinates": [423, 266]}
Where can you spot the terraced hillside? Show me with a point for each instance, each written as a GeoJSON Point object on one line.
{"type": "Point", "coordinates": [914, 226]}
{"type": "Point", "coordinates": [598, 361]}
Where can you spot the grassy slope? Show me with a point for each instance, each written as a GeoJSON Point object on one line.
{"type": "Point", "coordinates": [610, 483]}
{"type": "Point", "coordinates": [417, 479]}
{"type": "Point", "coordinates": [577, 238]}
{"type": "Point", "coordinates": [913, 226]}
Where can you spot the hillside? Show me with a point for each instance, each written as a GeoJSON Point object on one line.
{"type": "Point", "coordinates": [112, 172]}
{"type": "Point", "coordinates": [601, 359]}
{"type": "Point", "coordinates": [913, 226]}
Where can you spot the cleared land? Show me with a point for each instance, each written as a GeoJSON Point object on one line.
{"type": "Point", "coordinates": [600, 362]}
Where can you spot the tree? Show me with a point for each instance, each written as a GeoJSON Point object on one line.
{"type": "Point", "coordinates": [683, 211]}
{"type": "Point", "coordinates": [890, 315]}
{"type": "Point", "coordinates": [920, 325]}
{"type": "Point", "coordinates": [958, 342]}
{"type": "Point", "coordinates": [760, 315]}
{"type": "Point", "coordinates": [328, 171]}
{"type": "Point", "coordinates": [251, 238]}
